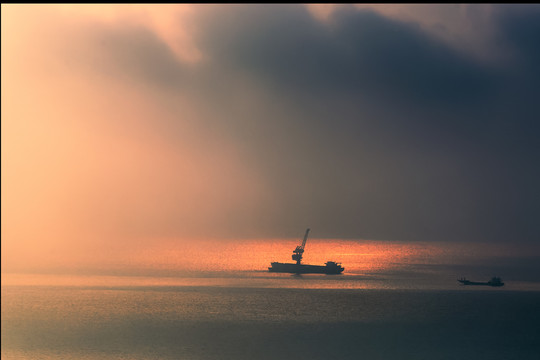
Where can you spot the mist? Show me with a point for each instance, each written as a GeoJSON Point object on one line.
{"type": "Point", "coordinates": [123, 126]}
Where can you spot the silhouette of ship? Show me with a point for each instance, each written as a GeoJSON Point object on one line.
{"type": "Point", "coordinates": [495, 281]}
{"type": "Point", "coordinates": [329, 268]}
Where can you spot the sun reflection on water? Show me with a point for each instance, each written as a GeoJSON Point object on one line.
{"type": "Point", "coordinates": [245, 263]}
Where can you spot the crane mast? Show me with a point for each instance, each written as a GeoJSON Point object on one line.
{"type": "Point", "coordinates": [299, 251]}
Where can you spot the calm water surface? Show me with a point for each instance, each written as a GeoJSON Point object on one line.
{"type": "Point", "coordinates": [256, 315]}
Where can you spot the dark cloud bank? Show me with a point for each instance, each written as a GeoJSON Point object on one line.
{"type": "Point", "coordinates": [368, 127]}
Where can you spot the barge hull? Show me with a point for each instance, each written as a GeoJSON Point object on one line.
{"type": "Point", "coordinates": [304, 269]}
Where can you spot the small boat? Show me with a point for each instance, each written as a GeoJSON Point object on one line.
{"type": "Point", "coordinates": [495, 281]}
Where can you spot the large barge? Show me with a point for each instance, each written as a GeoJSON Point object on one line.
{"type": "Point", "coordinates": [330, 268]}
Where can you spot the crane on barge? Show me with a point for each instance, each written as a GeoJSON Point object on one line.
{"type": "Point", "coordinates": [330, 267]}
{"type": "Point", "coordinates": [299, 251]}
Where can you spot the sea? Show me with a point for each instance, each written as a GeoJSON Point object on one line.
{"type": "Point", "coordinates": [413, 310]}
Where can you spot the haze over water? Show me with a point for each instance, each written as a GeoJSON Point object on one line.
{"type": "Point", "coordinates": [156, 158]}
{"type": "Point", "coordinates": [368, 264]}
{"type": "Point", "coordinates": [394, 301]}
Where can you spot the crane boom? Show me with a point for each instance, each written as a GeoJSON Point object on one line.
{"type": "Point", "coordinates": [305, 239]}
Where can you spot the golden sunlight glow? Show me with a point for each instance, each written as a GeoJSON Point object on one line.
{"type": "Point", "coordinates": [204, 262]}
{"type": "Point", "coordinates": [110, 164]}
{"type": "Point", "coordinates": [89, 165]}
{"type": "Point", "coordinates": [358, 257]}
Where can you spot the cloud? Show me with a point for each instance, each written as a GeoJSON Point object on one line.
{"type": "Point", "coordinates": [467, 28]}
{"type": "Point", "coordinates": [375, 129]}
{"type": "Point", "coordinates": [366, 126]}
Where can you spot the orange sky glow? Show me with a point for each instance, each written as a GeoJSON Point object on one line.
{"type": "Point", "coordinates": [101, 169]}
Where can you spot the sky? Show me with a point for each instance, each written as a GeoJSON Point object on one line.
{"type": "Point", "coordinates": [137, 126]}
